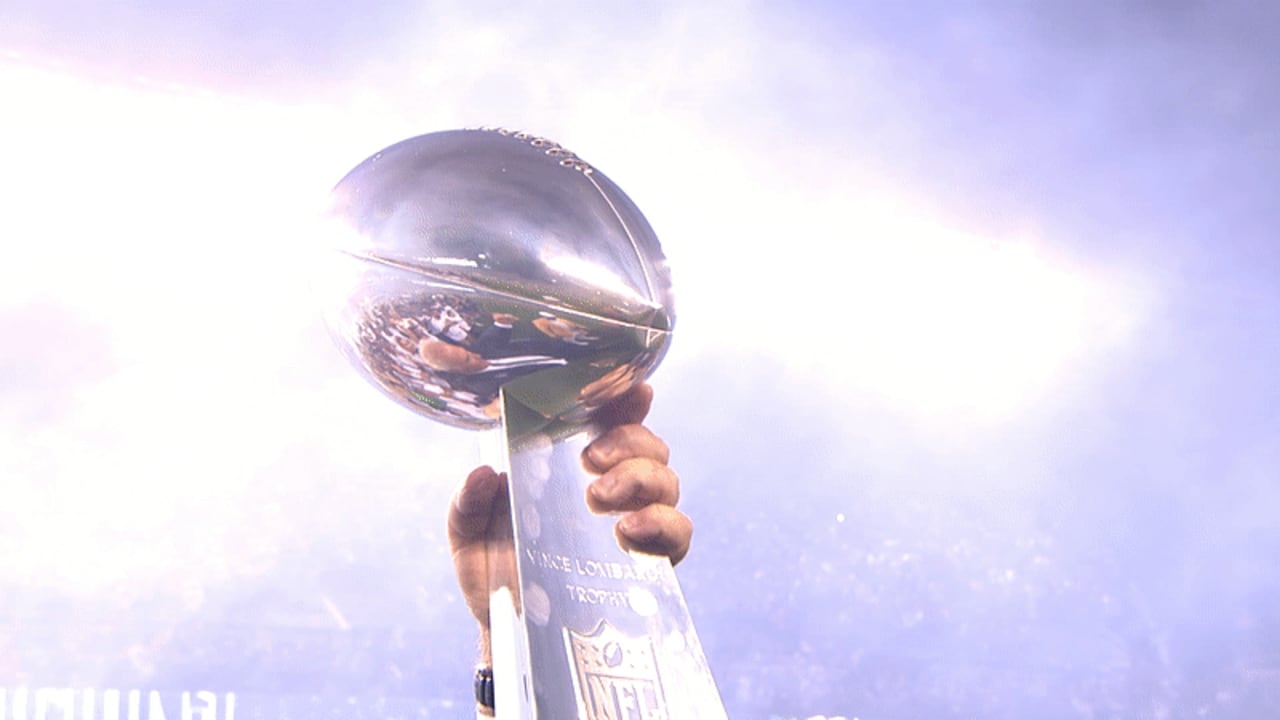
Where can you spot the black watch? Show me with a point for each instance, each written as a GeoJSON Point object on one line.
{"type": "Point", "coordinates": [484, 687]}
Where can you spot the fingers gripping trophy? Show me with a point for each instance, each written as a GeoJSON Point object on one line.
{"type": "Point", "coordinates": [492, 279]}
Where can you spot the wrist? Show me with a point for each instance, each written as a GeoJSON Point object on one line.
{"type": "Point", "coordinates": [485, 647]}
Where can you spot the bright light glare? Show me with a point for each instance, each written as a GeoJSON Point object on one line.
{"type": "Point", "coordinates": [176, 223]}
{"type": "Point", "coordinates": [945, 323]}
{"type": "Point", "coordinates": [593, 275]}
{"type": "Point", "coordinates": [864, 301]}
{"type": "Point", "coordinates": [960, 324]}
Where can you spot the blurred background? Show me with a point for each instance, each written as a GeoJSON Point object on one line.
{"type": "Point", "coordinates": [973, 391]}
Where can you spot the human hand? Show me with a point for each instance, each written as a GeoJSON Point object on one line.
{"type": "Point", "coordinates": [634, 481]}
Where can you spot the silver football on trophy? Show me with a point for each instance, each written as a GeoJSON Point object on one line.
{"type": "Point", "coordinates": [472, 260]}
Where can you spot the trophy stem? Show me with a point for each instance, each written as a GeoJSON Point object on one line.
{"type": "Point", "coordinates": [580, 627]}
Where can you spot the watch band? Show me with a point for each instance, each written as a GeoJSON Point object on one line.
{"type": "Point", "coordinates": [484, 687]}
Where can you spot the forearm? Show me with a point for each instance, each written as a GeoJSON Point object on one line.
{"type": "Point", "coordinates": [485, 663]}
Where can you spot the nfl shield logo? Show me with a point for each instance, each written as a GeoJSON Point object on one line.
{"type": "Point", "coordinates": [616, 676]}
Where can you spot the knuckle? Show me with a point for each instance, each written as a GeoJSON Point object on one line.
{"type": "Point", "coordinates": [643, 443]}
{"type": "Point", "coordinates": [651, 482]}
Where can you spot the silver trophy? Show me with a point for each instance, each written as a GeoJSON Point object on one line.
{"type": "Point", "coordinates": [489, 278]}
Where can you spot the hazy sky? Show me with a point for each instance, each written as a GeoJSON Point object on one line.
{"type": "Point", "coordinates": [942, 269]}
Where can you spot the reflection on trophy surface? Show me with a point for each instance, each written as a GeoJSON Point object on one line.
{"type": "Point", "coordinates": [488, 278]}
